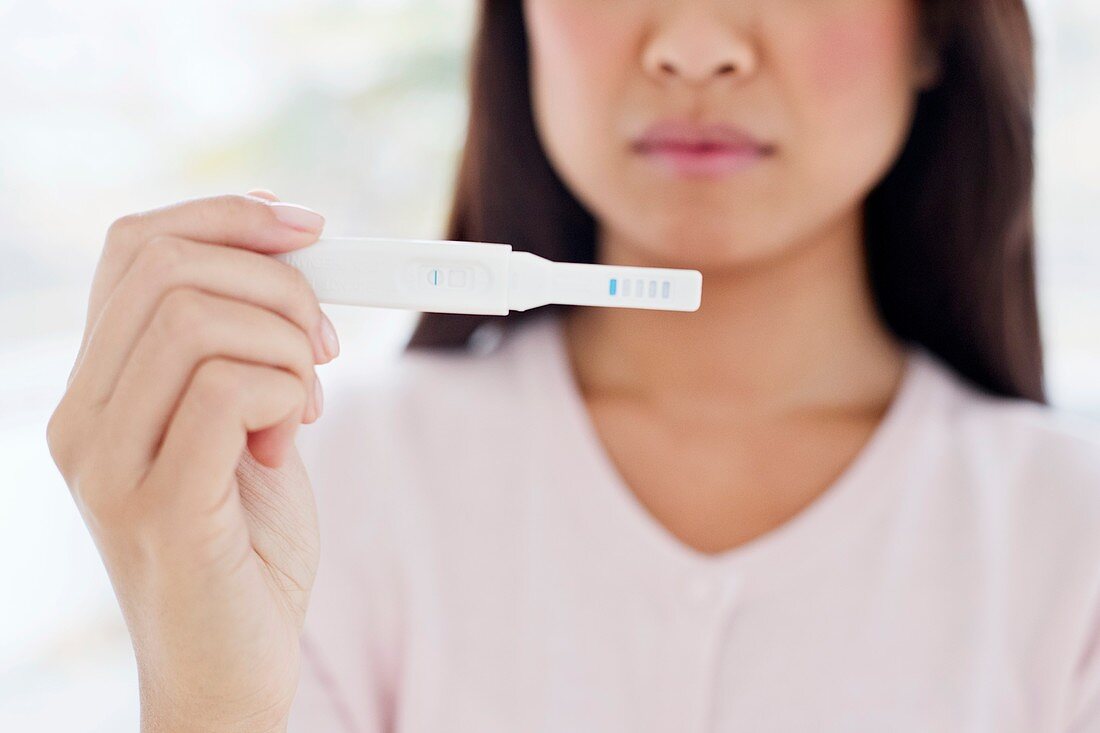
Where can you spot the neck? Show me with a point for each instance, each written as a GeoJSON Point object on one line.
{"type": "Point", "coordinates": [798, 331]}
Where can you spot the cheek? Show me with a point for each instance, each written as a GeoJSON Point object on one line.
{"type": "Point", "coordinates": [579, 53]}
{"type": "Point", "coordinates": [846, 77]}
{"type": "Point", "coordinates": [562, 27]}
{"type": "Point", "coordinates": [571, 46]}
{"type": "Point", "coordinates": [858, 60]}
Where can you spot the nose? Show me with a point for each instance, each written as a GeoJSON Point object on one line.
{"type": "Point", "coordinates": [697, 47]}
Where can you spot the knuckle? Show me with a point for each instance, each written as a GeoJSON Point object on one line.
{"type": "Point", "coordinates": [240, 208]}
{"type": "Point", "coordinates": [160, 258]}
{"type": "Point", "coordinates": [87, 485]}
{"type": "Point", "coordinates": [120, 232]}
{"type": "Point", "coordinates": [181, 313]}
{"type": "Point", "coordinates": [305, 345]}
{"type": "Point", "coordinates": [57, 439]}
{"type": "Point", "coordinates": [122, 225]}
{"type": "Point", "coordinates": [217, 382]}
{"type": "Point", "coordinates": [286, 389]}
{"type": "Point", "coordinates": [94, 480]}
{"type": "Point", "coordinates": [302, 299]}
{"type": "Point", "coordinates": [115, 513]}
{"type": "Point", "coordinates": [298, 289]}
{"type": "Point", "coordinates": [303, 355]}
{"type": "Point", "coordinates": [94, 500]}
{"type": "Point", "coordinates": [298, 391]}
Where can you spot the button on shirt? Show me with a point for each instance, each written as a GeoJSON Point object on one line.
{"type": "Point", "coordinates": [484, 567]}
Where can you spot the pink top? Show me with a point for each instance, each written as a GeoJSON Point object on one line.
{"type": "Point", "coordinates": [484, 568]}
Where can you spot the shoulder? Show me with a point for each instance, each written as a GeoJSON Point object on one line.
{"type": "Point", "coordinates": [1013, 437]}
{"type": "Point", "coordinates": [1030, 469]}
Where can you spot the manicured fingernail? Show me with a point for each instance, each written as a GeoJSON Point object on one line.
{"type": "Point", "coordinates": [318, 398]}
{"type": "Point", "coordinates": [298, 217]}
{"type": "Point", "coordinates": [328, 335]}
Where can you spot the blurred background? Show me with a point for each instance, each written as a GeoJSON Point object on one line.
{"type": "Point", "coordinates": [353, 108]}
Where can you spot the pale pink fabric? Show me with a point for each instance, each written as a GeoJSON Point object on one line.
{"type": "Point", "coordinates": [484, 568]}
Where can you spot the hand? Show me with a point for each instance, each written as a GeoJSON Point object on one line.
{"type": "Point", "coordinates": [175, 436]}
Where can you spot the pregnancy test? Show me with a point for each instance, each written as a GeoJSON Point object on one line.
{"type": "Point", "coordinates": [445, 276]}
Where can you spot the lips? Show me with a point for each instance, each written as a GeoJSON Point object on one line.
{"type": "Point", "coordinates": [708, 149]}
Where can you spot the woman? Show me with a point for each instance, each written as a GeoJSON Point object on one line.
{"type": "Point", "coordinates": [830, 499]}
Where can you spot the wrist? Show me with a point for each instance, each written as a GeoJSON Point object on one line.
{"type": "Point", "coordinates": [201, 719]}
{"type": "Point", "coordinates": [154, 723]}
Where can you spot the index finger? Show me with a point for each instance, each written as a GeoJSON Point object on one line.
{"type": "Point", "coordinates": [235, 220]}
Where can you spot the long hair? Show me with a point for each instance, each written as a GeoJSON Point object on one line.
{"type": "Point", "coordinates": [949, 231]}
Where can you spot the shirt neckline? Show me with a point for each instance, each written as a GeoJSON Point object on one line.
{"type": "Point", "coordinates": [823, 528]}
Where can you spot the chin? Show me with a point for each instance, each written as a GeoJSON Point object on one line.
{"type": "Point", "coordinates": [693, 243]}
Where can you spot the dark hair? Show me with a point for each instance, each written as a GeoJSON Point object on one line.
{"type": "Point", "coordinates": [949, 231]}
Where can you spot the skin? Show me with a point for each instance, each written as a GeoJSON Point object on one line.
{"type": "Point", "coordinates": [724, 422]}
{"type": "Point", "coordinates": [197, 346]}
{"type": "Point", "coordinates": [728, 421]}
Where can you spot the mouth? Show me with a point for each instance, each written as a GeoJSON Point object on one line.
{"type": "Point", "coordinates": [693, 150]}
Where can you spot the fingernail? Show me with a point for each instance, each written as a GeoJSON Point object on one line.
{"type": "Point", "coordinates": [263, 193]}
{"type": "Point", "coordinates": [298, 217]}
{"type": "Point", "coordinates": [328, 336]}
{"type": "Point", "coordinates": [318, 398]}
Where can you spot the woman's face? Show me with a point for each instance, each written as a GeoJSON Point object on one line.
{"type": "Point", "coordinates": [819, 93]}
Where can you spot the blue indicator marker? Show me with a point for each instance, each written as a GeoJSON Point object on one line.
{"type": "Point", "coordinates": [613, 286]}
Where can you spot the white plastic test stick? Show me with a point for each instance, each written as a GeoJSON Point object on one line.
{"type": "Point", "coordinates": [444, 276]}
